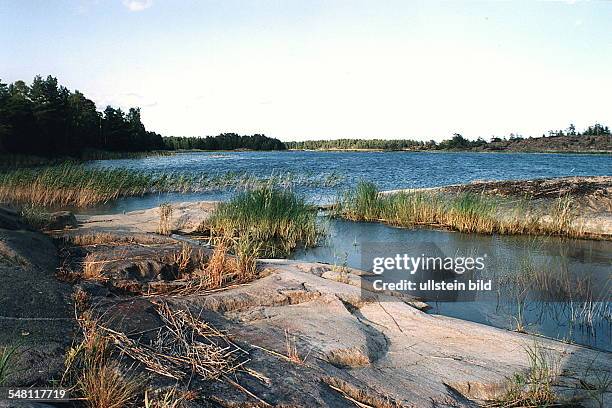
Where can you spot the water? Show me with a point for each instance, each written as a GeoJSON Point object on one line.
{"type": "Point", "coordinates": [570, 264]}
{"type": "Point", "coordinates": [321, 175]}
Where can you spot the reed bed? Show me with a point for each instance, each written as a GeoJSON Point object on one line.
{"type": "Point", "coordinates": [464, 212]}
{"type": "Point", "coordinates": [71, 184]}
{"type": "Point", "coordinates": [273, 220]}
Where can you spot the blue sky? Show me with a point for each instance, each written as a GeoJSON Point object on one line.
{"type": "Point", "coordinates": [324, 69]}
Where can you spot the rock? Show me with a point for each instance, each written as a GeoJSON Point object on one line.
{"type": "Point", "coordinates": [35, 310]}
{"type": "Point", "coordinates": [94, 289]}
{"type": "Point", "coordinates": [60, 220]}
{"type": "Point", "coordinates": [10, 219]}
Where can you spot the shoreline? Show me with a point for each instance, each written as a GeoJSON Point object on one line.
{"type": "Point", "coordinates": [371, 341]}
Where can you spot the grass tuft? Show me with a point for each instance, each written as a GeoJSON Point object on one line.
{"type": "Point", "coordinates": [275, 221]}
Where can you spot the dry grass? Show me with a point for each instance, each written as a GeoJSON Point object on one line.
{"type": "Point", "coordinates": [172, 398]}
{"type": "Point", "coordinates": [183, 347]}
{"type": "Point", "coordinates": [105, 386]}
{"type": "Point", "coordinates": [107, 238]}
{"type": "Point", "coordinates": [165, 219]}
{"type": "Point", "coordinates": [81, 300]}
{"type": "Point", "coordinates": [361, 397]}
{"type": "Point", "coordinates": [348, 357]}
{"type": "Point", "coordinates": [183, 258]}
{"type": "Point", "coordinates": [92, 267]}
{"type": "Point", "coordinates": [291, 349]}
{"type": "Point", "coordinates": [94, 374]}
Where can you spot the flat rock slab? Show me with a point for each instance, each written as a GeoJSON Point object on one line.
{"type": "Point", "coordinates": [186, 217]}
{"type": "Point", "coordinates": [36, 314]}
{"type": "Point", "coordinates": [391, 348]}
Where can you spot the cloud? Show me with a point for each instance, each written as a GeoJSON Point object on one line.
{"type": "Point", "coordinates": [137, 5]}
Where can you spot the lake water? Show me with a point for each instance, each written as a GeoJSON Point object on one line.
{"type": "Point", "coordinates": [579, 270]}
{"type": "Point", "coordinates": [580, 267]}
{"type": "Point", "coordinates": [321, 175]}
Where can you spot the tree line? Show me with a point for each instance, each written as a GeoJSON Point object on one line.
{"type": "Point", "coordinates": [224, 141]}
{"type": "Point", "coordinates": [456, 142]}
{"type": "Point", "coordinates": [47, 119]}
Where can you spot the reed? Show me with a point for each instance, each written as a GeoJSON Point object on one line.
{"type": "Point", "coordinates": [71, 184]}
{"type": "Point", "coordinates": [464, 212]}
{"type": "Point", "coordinates": [276, 221]}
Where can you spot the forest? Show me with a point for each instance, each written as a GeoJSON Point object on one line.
{"type": "Point", "coordinates": [47, 119]}
{"type": "Point", "coordinates": [224, 141]}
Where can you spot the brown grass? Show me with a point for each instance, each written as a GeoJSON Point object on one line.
{"type": "Point", "coordinates": [91, 371]}
{"type": "Point", "coordinates": [92, 267]}
{"type": "Point", "coordinates": [105, 386]}
{"type": "Point", "coordinates": [81, 300]}
{"type": "Point", "coordinates": [172, 398]}
{"type": "Point", "coordinates": [165, 219]}
{"type": "Point", "coordinates": [183, 258]}
{"type": "Point", "coordinates": [360, 397]}
{"type": "Point", "coordinates": [348, 357]}
{"type": "Point", "coordinates": [184, 347]}
{"type": "Point", "coordinates": [291, 349]}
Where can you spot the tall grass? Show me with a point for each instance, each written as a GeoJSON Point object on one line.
{"type": "Point", "coordinates": [277, 221]}
{"type": "Point", "coordinates": [464, 212]}
{"type": "Point", "coordinates": [71, 184]}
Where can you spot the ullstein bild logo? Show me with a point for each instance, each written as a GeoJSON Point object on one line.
{"type": "Point", "coordinates": [424, 270]}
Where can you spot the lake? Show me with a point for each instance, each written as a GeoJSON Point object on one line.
{"type": "Point", "coordinates": [580, 313]}
{"type": "Point", "coordinates": [320, 176]}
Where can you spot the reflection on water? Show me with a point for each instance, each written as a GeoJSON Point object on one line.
{"type": "Point", "coordinates": [556, 287]}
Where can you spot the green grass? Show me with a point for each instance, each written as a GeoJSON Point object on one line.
{"type": "Point", "coordinates": [464, 212]}
{"type": "Point", "coordinates": [71, 184]}
{"type": "Point", "coordinates": [7, 357]}
{"type": "Point", "coordinates": [277, 221]}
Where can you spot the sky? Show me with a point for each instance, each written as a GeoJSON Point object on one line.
{"type": "Point", "coordinates": [310, 69]}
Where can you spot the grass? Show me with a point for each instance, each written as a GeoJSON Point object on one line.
{"type": "Point", "coordinates": [534, 291]}
{"type": "Point", "coordinates": [464, 212]}
{"type": "Point", "coordinates": [165, 219]}
{"type": "Point", "coordinates": [7, 357]}
{"type": "Point", "coordinates": [92, 267]}
{"type": "Point", "coordinates": [94, 374]}
{"type": "Point", "coordinates": [348, 357]}
{"type": "Point", "coordinates": [292, 350]}
{"type": "Point", "coordinates": [361, 397]}
{"type": "Point", "coordinates": [276, 221]}
{"type": "Point", "coordinates": [535, 387]}
{"type": "Point", "coordinates": [72, 184]}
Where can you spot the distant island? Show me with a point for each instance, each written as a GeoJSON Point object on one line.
{"type": "Point", "coordinates": [47, 119]}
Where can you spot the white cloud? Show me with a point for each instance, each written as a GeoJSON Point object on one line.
{"type": "Point", "coordinates": [137, 5]}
